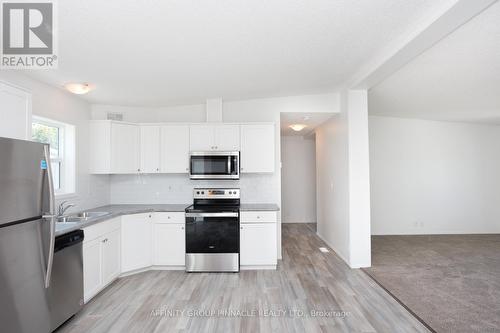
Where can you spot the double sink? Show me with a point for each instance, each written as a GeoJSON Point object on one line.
{"type": "Point", "coordinates": [73, 219]}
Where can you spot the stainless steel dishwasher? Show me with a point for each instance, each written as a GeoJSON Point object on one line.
{"type": "Point", "coordinates": [65, 293]}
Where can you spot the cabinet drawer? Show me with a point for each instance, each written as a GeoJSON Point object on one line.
{"type": "Point", "coordinates": [169, 217]}
{"type": "Point", "coordinates": [101, 228]}
{"type": "Point", "coordinates": [258, 217]}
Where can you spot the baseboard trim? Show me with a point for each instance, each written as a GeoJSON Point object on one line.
{"type": "Point", "coordinates": [334, 250]}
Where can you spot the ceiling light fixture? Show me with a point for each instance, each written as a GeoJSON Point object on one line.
{"type": "Point", "coordinates": [79, 88]}
{"type": "Point", "coordinates": [298, 127]}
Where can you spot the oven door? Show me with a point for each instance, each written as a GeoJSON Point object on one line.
{"type": "Point", "coordinates": [212, 242]}
{"type": "Point", "coordinates": [214, 165]}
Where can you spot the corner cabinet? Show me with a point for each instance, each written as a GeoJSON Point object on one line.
{"type": "Point", "coordinates": [136, 241]}
{"type": "Point", "coordinates": [257, 148]}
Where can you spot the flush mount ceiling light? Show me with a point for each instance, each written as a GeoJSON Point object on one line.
{"type": "Point", "coordinates": [79, 88]}
{"type": "Point", "coordinates": [298, 127]}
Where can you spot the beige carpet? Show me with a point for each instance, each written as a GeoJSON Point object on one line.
{"type": "Point", "coordinates": [452, 282]}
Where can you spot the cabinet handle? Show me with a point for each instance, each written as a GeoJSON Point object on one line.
{"type": "Point", "coordinates": [182, 228]}
{"type": "Point", "coordinates": [258, 216]}
{"type": "Point", "coordinates": [187, 169]}
{"type": "Point", "coordinates": [149, 215]}
{"type": "Point", "coordinates": [241, 228]}
{"type": "Point", "coordinates": [157, 169]}
{"type": "Point", "coordinates": [139, 170]}
{"type": "Point", "coordinates": [168, 217]}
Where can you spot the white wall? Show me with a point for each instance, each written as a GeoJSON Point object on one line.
{"type": "Point", "coordinates": [54, 103]}
{"type": "Point", "coordinates": [431, 177]}
{"type": "Point", "coordinates": [298, 179]}
{"type": "Point", "coordinates": [332, 184]}
{"type": "Point", "coordinates": [343, 187]}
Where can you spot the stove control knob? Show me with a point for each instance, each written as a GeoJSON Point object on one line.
{"type": "Point", "coordinates": [197, 192]}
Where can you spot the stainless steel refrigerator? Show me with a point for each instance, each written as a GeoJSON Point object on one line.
{"type": "Point", "coordinates": [33, 278]}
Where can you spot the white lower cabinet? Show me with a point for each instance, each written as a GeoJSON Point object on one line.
{"type": "Point", "coordinates": [136, 241]}
{"type": "Point", "coordinates": [169, 244]}
{"type": "Point", "coordinates": [110, 256]}
{"type": "Point", "coordinates": [101, 256]}
{"type": "Point", "coordinates": [258, 241]}
{"type": "Point", "coordinates": [92, 275]}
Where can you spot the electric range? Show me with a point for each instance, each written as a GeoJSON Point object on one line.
{"type": "Point", "coordinates": [213, 230]}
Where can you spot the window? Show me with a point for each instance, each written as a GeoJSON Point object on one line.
{"type": "Point", "coordinates": [60, 137]}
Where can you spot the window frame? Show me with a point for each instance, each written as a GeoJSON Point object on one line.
{"type": "Point", "coordinates": [65, 189]}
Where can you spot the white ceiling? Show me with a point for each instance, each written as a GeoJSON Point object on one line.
{"type": "Point", "coordinates": [457, 79]}
{"type": "Point", "coordinates": [311, 120]}
{"type": "Point", "coordinates": [158, 53]}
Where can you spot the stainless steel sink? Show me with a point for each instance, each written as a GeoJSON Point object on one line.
{"type": "Point", "coordinates": [89, 215]}
{"type": "Point", "coordinates": [79, 217]}
{"type": "Point", "coordinates": [67, 224]}
{"type": "Point", "coordinates": [69, 219]}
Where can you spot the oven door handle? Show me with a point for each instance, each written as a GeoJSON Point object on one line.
{"type": "Point", "coordinates": [229, 214]}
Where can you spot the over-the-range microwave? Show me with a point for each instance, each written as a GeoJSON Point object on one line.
{"type": "Point", "coordinates": [214, 165]}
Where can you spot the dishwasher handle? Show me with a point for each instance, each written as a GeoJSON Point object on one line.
{"type": "Point", "coordinates": [69, 239]}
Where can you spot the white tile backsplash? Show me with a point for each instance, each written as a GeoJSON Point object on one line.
{"type": "Point", "coordinates": [178, 188]}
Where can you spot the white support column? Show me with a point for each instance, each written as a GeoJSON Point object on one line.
{"type": "Point", "coordinates": [359, 179]}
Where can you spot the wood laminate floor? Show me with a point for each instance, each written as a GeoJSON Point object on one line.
{"type": "Point", "coordinates": [284, 300]}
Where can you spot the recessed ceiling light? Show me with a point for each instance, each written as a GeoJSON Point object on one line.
{"type": "Point", "coordinates": [298, 127]}
{"type": "Point", "coordinates": [79, 88]}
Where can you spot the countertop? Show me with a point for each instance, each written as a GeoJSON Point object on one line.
{"type": "Point", "coordinates": [128, 209]}
{"type": "Point", "coordinates": [259, 207]}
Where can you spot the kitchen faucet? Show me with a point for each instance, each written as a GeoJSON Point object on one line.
{"type": "Point", "coordinates": [63, 208]}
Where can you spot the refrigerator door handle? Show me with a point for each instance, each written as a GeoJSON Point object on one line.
{"type": "Point", "coordinates": [52, 217]}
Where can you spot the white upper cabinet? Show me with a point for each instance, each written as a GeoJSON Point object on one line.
{"type": "Point", "coordinates": [125, 148]}
{"type": "Point", "coordinates": [227, 137]}
{"type": "Point", "coordinates": [175, 149]}
{"type": "Point", "coordinates": [201, 137]}
{"type": "Point", "coordinates": [219, 137]}
{"type": "Point", "coordinates": [15, 113]}
{"type": "Point", "coordinates": [125, 145]}
{"type": "Point", "coordinates": [257, 148]}
{"type": "Point", "coordinates": [115, 147]}
{"type": "Point", "coordinates": [150, 149]}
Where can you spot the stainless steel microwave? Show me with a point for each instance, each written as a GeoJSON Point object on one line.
{"type": "Point", "coordinates": [214, 165]}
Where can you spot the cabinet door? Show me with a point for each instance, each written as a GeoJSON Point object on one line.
{"type": "Point", "coordinates": [92, 281]}
{"type": "Point", "coordinates": [227, 137]}
{"type": "Point", "coordinates": [201, 138]}
{"type": "Point", "coordinates": [15, 112]}
{"type": "Point", "coordinates": [257, 148]}
{"type": "Point", "coordinates": [175, 149]}
{"type": "Point", "coordinates": [258, 244]}
{"type": "Point", "coordinates": [150, 149]}
{"type": "Point", "coordinates": [124, 148]}
{"type": "Point", "coordinates": [169, 244]}
{"type": "Point", "coordinates": [136, 242]}
{"type": "Point", "coordinates": [110, 244]}
{"type": "Point", "coordinates": [100, 147]}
